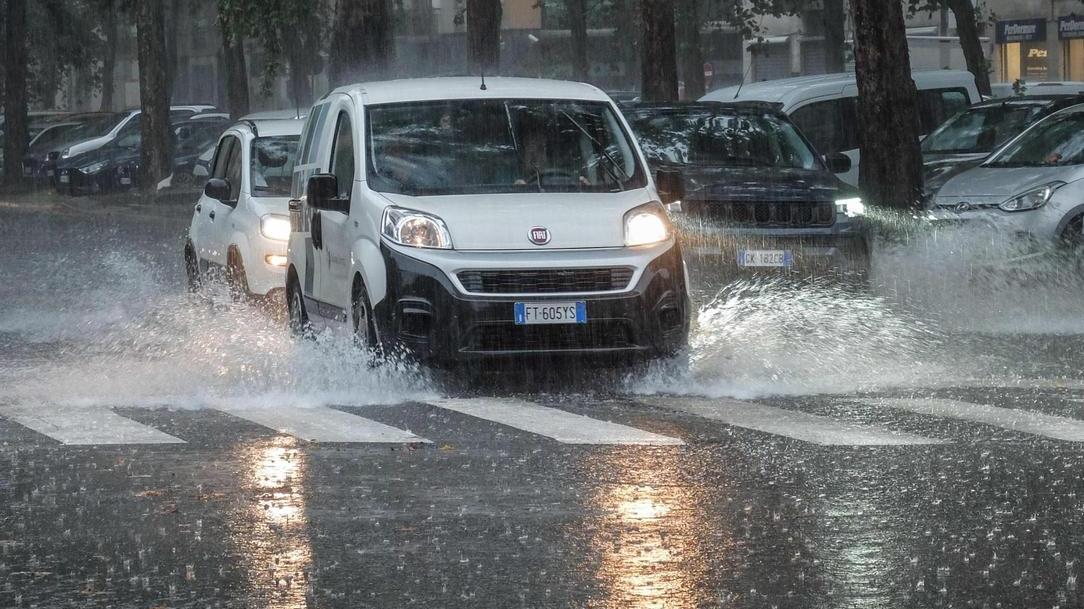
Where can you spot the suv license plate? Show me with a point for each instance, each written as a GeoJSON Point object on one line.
{"type": "Point", "coordinates": [776, 258]}
{"type": "Point", "coordinates": [529, 313]}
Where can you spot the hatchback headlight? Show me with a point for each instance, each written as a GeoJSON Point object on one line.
{"type": "Point", "coordinates": [646, 224]}
{"type": "Point", "coordinates": [275, 227]}
{"type": "Point", "coordinates": [65, 153]}
{"type": "Point", "coordinates": [1031, 199]}
{"type": "Point", "coordinates": [415, 229]}
{"type": "Point", "coordinates": [94, 167]}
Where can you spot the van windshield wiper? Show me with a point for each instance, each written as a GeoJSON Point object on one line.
{"type": "Point", "coordinates": [612, 164]}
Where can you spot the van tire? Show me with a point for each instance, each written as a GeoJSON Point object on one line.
{"type": "Point", "coordinates": [236, 280]}
{"type": "Point", "coordinates": [361, 314]}
{"type": "Point", "coordinates": [191, 268]}
{"type": "Point", "coordinates": [297, 318]}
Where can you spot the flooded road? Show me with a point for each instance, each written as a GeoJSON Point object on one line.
{"type": "Point", "coordinates": [916, 445]}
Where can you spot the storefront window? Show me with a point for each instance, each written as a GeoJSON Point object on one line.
{"type": "Point", "coordinates": [1074, 59]}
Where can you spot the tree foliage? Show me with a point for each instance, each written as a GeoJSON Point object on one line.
{"type": "Point", "coordinates": [278, 26]}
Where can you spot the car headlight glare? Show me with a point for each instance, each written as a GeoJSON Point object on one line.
{"type": "Point", "coordinates": [94, 167]}
{"type": "Point", "coordinates": [852, 207]}
{"type": "Point", "coordinates": [1031, 199]}
{"type": "Point", "coordinates": [415, 229]}
{"type": "Point", "coordinates": [646, 224]}
{"type": "Point", "coordinates": [275, 227]}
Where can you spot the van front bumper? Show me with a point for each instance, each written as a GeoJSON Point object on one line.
{"type": "Point", "coordinates": [428, 315]}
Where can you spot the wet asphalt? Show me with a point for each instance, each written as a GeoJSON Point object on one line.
{"type": "Point", "coordinates": [968, 509]}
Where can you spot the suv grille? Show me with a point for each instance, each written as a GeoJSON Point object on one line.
{"type": "Point", "coordinates": [546, 281]}
{"type": "Point", "coordinates": [510, 337]}
{"type": "Point", "coordinates": [767, 214]}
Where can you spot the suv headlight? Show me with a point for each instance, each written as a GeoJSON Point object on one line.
{"type": "Point", "coordinates": [415, 229]}
{"type": "Point", "coordinates": [646, 224]}
{"type": "Point", "coordinates": [1031, 199]}
{"type": "Point", "coordinates": [275, 227]}
{"type": "Point", "coordinates": [851, 207]}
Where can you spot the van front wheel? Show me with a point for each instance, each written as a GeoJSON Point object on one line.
{"type": "Point", "coordinates": [296, 316]}
{"type": "Point", "coordinates": [362, 314]}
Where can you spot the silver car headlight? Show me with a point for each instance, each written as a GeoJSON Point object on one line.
{"type": "Point", "coordinates": [415, 229]}
{"type": "Point", "coordinates": [646, 224]}
{"type": "Point", "coordinates": [275, 227]}
{"type": "Point", "coordinates": [1031, 199]}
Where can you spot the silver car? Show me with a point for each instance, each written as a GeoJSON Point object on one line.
{"type": "Point", "coordinates": [1033, 187]}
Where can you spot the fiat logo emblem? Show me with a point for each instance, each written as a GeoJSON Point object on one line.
{"type": "Point", "coordinates": [539, 235]}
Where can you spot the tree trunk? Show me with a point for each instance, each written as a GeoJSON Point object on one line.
{"type": "Point", "coordinates": [658, 63]}
{"type": "Point", "coordinates": [626, 42]}
{"type": "Point", "coordinates": [233, 55]}
{"type": "Point", "coordinates": [15, 93]}
{"type": "Point", "coordinates": [692, 55]}
{"type": "Point", "coordinates": [967, 29]}
{"type": "Point", "coordinates": [835, 43]}
{"type": "Point", "coordinates": [361, 41]}
{"type": "Point", "coordinates": [484, 36]}
{"type": "Point", "coordinates": [888, 124]}
{"type": "Point", "coordinates": [156, 155]}
{"type": "Point", "coordinates": [577, 28]}
{"type": "Point", "coordinates": [109, 54]}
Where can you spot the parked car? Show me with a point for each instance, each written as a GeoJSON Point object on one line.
{"type": "Point", "coordinates": [757, 193]}
{"type": "Point", "coordinates": [241, 223]}
{"type": "Point", "coordinates": [34, 162]}
{"type": "Point", "coordinates": [191, 137]}
{"type": "Point", "coordinates": [469, 222]}
{"type": "Point", "coordinates": [1031, 188]}
{"type": "Point", "coordinates": [964, 140]}
{"type": "Point", "coordinates": [825, 107]}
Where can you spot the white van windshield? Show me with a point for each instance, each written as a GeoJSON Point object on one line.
{"type": "Point", "coordinates": [497, 146]}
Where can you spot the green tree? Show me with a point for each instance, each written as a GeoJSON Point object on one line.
{"type": "Point", "coordinates": [968, 21]}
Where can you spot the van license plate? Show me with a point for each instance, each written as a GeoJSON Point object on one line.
{"type": "Point", "coordinates": [529, 313]}
{"type": "Point", "coordinates": [776, 258]}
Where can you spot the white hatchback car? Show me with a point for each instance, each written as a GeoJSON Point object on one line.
{"type": "Point", "coordinates": [241, 222]}
{"type": "Point", "coordinates": [463, 220]}
{"type": "Point", "coordinates": [1033, 187]}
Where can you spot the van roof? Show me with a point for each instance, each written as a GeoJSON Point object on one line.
{"type": "Point", "coordinates": [790, 91]}
{"type": "Point", "coordinates": [470, 87]}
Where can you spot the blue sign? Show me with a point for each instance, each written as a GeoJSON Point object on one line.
{"type": "Point", "coordinates": [1021, 30]}
{"type": "Point", "coordinates": [1070, 27]}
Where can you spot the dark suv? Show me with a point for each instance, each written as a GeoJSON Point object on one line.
{"type": "Point", "coordinates": [758, 196]}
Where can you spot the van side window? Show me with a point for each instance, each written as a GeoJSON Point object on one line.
{"type": "Point", "coordinates": [938, 105]}
{"type": "Point", "coordinates": [233, 170]}
{"type": "Point", "coordinates": [832, 126]}
{"type": "Point", "coordinates": [222, 155]}
{"type": "Point", "coordinates": [309, 132]}
{"type": "Point", "coordinates": [317, 134]}
{"type": "Point", "coordinates": [342, 156]}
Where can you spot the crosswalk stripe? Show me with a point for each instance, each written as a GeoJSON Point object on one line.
{"type": "Point", "coordinates": [1050, 426]}
{"type": "Point", "coordinates": [86, 425]}
{"type": "Point", "coordinates": [560, 425]}
{"type": "Point", "coordinates": [789, 423]}
{"type": "Point", "coordinates": [323, 424]}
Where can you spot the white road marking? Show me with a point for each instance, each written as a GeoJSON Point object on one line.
{"type": "Point", "coordinates": [789, 423]}
{"type": "Point", "coordinates": [323, 424]}
{"type": "Point", "coordinates": [86, 425]}
{"type": "Point", "coordinates": [1050, 426]}
{"type": "Point", "coordinates": [560, 425]}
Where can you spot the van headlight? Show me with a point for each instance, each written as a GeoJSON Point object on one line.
{"type": "Point", "coordinates": [275, 227]}
{"type": "Point", "coordinates": [851, 207]}
{"type": "Point", "coordinates": [415, 229]}
{"type": "Point", "coordinates": [1031, 199]}
{"type": "Point", "coordinates": [646, 224]}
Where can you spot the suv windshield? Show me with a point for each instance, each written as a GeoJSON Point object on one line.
{"type": "Point", "coordinates": [1058, 140]}
{"type": "Point", "coordinates": [981, 130]}
{"type": "Point", "coordinates": [498, 146]}
{"type": "Point", "coordinates": [272, 167]}
{"type": "Point", "coordinates": [720, 138]}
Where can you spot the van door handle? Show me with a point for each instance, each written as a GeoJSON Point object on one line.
{"type": "Point", "coordinates": [212, 214]}
{"type": "Point", "coordinates": [199, 207]}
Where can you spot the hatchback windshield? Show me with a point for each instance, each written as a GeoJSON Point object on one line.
{"type": "Point", "coordinates": [272, 168]}
{"type": "Point", "coordinates": [95, 127]}
{"type": "Point", "coordinates": [496, 146]}
{"type": "Point", "coordinates": [52, 137]}
{"type": "Point", "coordinates": [1058, 140]}
{"type": "Point", "coordinates": [981, 130]}
{"type": "Point", "coordinates": [720, 138]}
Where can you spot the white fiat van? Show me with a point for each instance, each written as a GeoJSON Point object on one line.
{"type": "Point", "coordinates": [458, 220]}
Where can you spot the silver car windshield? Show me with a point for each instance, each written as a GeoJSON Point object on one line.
{"type": "Point", "coordinates": [981, 129]}
{"type": "Point", "coordinates": [499, 146]}
{"type": "Point", "coordinates": [1059, 140]}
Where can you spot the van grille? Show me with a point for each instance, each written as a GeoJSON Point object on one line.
{"type": "Point", "coordinates": [767, 214]}
{"type": "Point", "coordinates": [546, 281]}
{"type": "Point", "coordinates": [611, 334]}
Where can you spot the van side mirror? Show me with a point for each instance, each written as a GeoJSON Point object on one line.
{"type": "Point", "coordinates": [218, 189]}
{"type": "Point", "coordinates": [322, 191]}
{"type": "Point", "coordinates": [837, 162]}
{"type": "Point", "coordinates": [671, 185]}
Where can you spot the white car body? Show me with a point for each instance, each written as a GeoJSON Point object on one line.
{"type": "Point", "coordinates": [221, 229]}
{"type": "Point", "coordinates": [800, 95]}
{"type": "Point", "coordinates": [487, 231]}
{"type": "Point", "coordinates": [975, 195]}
